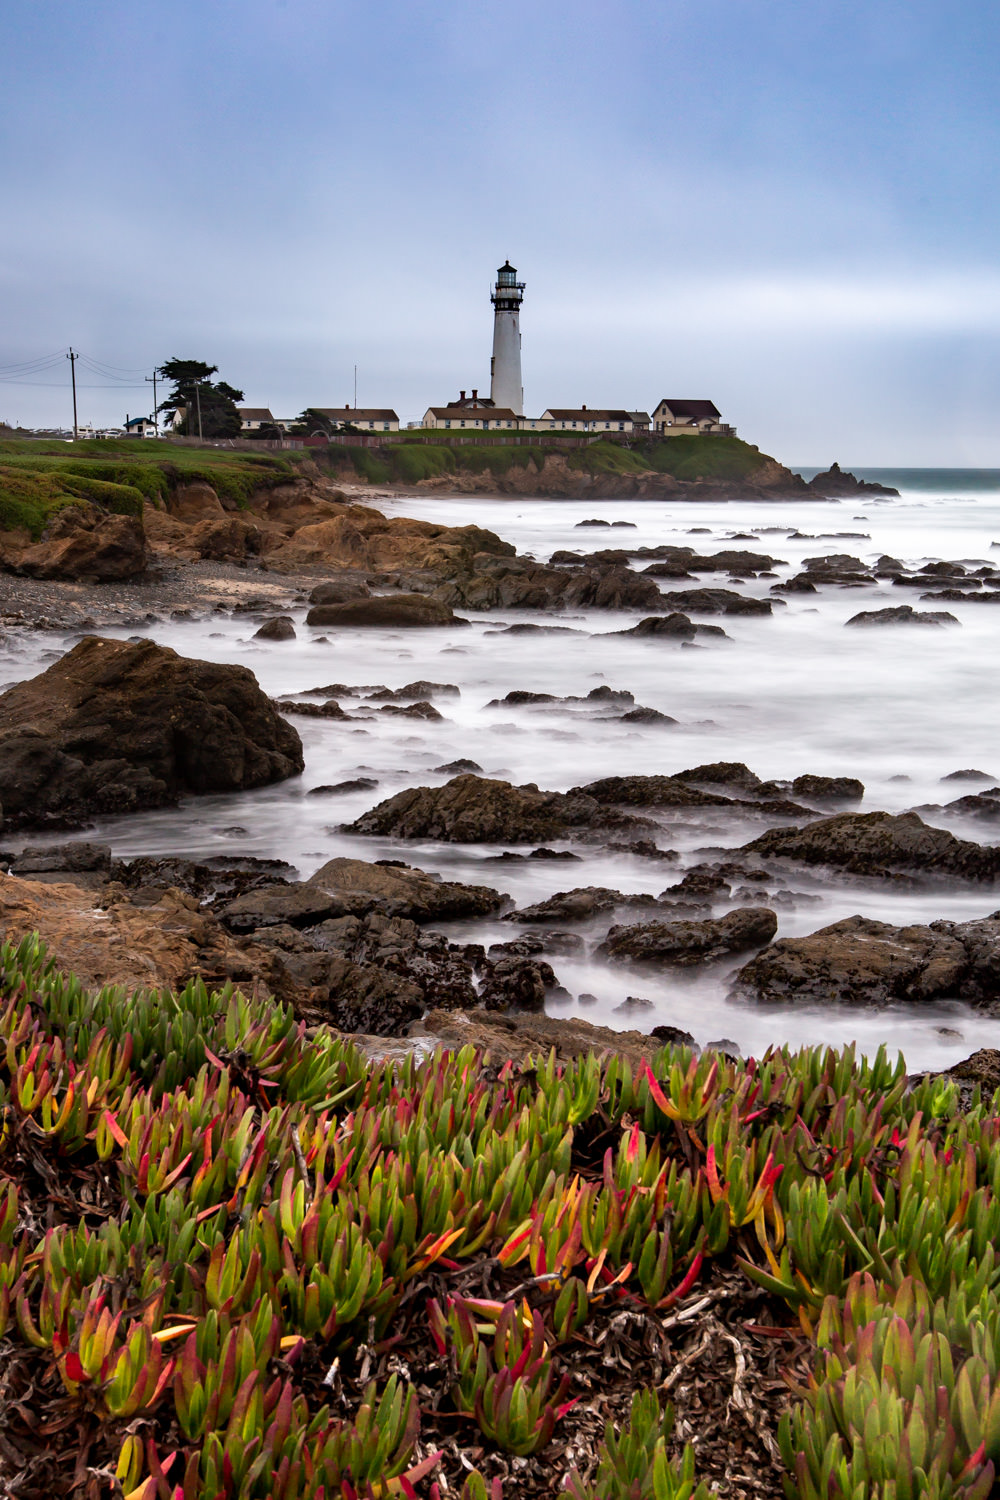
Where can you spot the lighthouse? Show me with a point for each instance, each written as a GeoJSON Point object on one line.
{"type": "Point", "coordinates": [505, 366]}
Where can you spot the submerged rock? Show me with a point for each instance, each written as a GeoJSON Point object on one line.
{"type": "Point", "coordinates": [385, 609]}
{"type": "Point", "coordinates": [862, 962]}
{"type": "Point", "coordinates": [115, 726]}
{"type": "Point", "coordinates": [902, 614]}
{"type": "Point", "coordinates": [648, 791]}
{"type": "Point", "coordinates": [686, 943]}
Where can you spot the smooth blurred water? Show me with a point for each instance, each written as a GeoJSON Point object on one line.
{"type": "Point", "coordinates": [796, 692]}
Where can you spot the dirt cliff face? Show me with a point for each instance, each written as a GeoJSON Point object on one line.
{"type": "Point", "coordinates": [559, 478]}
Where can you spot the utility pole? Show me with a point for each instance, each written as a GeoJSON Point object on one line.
{"type": "Point", "coordinates": [197, 398]}
{"type": "Point", "coordinates": [72, 370]}
{"type": "Point", "coordinates": [355, 387]}
{"type": "Point", "coordinates": [156, 409]}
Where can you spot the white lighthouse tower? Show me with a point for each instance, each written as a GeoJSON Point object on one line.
{"type": "Point", "coordinates": [505, 366]}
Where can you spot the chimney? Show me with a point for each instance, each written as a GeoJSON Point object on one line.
{"type": "Point", "coordinates": [461, 397]}
{"type": "Point", "coordinates": [475, 394]}
{"type": "Point", "coordinates": [584, 406]}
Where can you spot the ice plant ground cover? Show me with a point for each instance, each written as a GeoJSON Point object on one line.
{"type": "Point", "coordinates": [239, 1260]}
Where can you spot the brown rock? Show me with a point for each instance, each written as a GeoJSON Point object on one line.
{"type": "Point", "coordinates": [115, 725]}
{"type": "Point", "coordinates": [108, 550]}
{"type": "Point", "coordinates": [519, 1038]}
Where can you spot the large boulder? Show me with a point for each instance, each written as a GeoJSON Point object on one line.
{"type": "Point", "coordinates": [686, 943]}
{"type": "Point", "coordinates": [474, 809]}
{"type": "Point", "coordinates": [89, 546]}
{"type": "Point", "coordinates": [385, 609]}
{"type": "Point", "coordinates": [863, 962]}
{"type": "Point", "coordinates": [115, 725]}
{"type": "Point", "coordinates": [880, 843]}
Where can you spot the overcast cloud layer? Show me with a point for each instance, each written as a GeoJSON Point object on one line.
{"type": "Point", "coordinates": [791, 209]}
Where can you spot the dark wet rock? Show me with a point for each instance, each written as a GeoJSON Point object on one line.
{"type": "Point", "coordinates": [329, 710]}
{"type": "Point", "coordinates": [471, 809]}
{"type": "Point", "coordinates": [829, 788]}
{"type": "Point", "coordinates": [578, 905]}
{"type": "Point", "coordinates": [839, 484]}
{"type": "Point", "coordinates": [982, 1068]}
{"type": "Point", "coordinates": [889, 567]}
{"type": "Point", "coordinates": [902, 614]}
{"type": "Point", "coordinates": [341, 788]}
{"type": "Point", "coordinates": [562, 855]}
{"type": "Point", "coordinates": [648, 791]}
{"type": "Point", "coordinates": [880, 844]}
{"type": "Point", "coordinates": [403, 891]}
{"type": "Point", "coordinates": [701, 880]}
{"type": "Point", "coordinates": [800, 584]}
{"type": "Point", "coordinates": [614, 588]}
{"type": "Point", "coordinates": [673, 1036]}
{"type": "Point", "coordinates": [299, 905]}
{"type": "Point", "coordinates": [365, 997]}
{"type": "Point", "coordinates": [646, 716]}
{"type": "Point", "coordinates": [411, 710]}
{"type": "Point", "coordinates": [393, 610]}
{"type": "Point", "coordinates": [975, 805]}
{"type": "Point", "coordinates": [671, 567]}
{"type": "Point", "coordinates": [280, 628]}
{"type": "Point", "coordinates": [211, 881]}
{"type": "Point", "coordinates": [686, 943]}
{"type": "Point", "coordinates": [633, 1003]}
{"type": "Point", "coordinates": [676, 624]}
{"type": "Point", "coordinates": [723, 773]}
{"type": "Point", "coordinates": [863, 962]}
{"type": "Point", "coordinates": [115, 726]}
{"type": "Point", "coordinates": [418, 690]}
{"type": "Point", "coordinates": [514, 983]}
{"type": "Point", "coordinates": [968, 776]}
{"type": "Point", "coordinates": [643, 849]}
{"type": "Point", "coordinates": [340, 590]}
{"type": "Point", "coordinates": [456, 767]}
{"type": "Point", "coordinates": [595, 522]}
{"type": "Point", "coordinates": [715, 602]}
{"type": "Point", "coordinates": [520, 698]}
{"type": "Point", "coordinates": [68, 859]}
{"type": "Point", "coordinates": [962, 596]}
{"type": "Point", "coordinates": [528, 628]}
{"type": "Point", "coordinates": [630, 525]}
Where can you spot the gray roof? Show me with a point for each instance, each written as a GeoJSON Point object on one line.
{"type": "Point", "coordinates": [474, 413]}
{"type": "Point", "coordinates": [587, 414]}
{"type": "Point", "coordinates": [254, 414]}
{"type": "Point", "coordinates": [357, 413]}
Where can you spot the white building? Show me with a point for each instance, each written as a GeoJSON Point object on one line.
{"type": "Point", "coordinates": [675, 418]}
{"type": "Point", "coordinates": [505, 366]}
{"type": "Point", "coordinates": [253, 418]}
{"type": "Point", "coordinates": [483, 417]}
{"type": "Point", "coordinates": [364, 418]}
{"type": "Point", "coordinates": [587, 419]}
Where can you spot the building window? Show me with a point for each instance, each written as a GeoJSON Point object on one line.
{"type": "Point", "coordinates": [461, 424]}
{"type": "Point", "coordinates": [621, 426]}
{"type": "Point", "coordinates": [447, 424]}
{"type": "Point", "coordinates": [385, 427]}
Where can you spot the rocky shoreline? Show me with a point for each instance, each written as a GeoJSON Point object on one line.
{"type": "Point", "coordinates": [117, 725]}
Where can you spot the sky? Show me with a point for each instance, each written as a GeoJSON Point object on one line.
{"type": "Point", "coordinates": [791, 208]}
